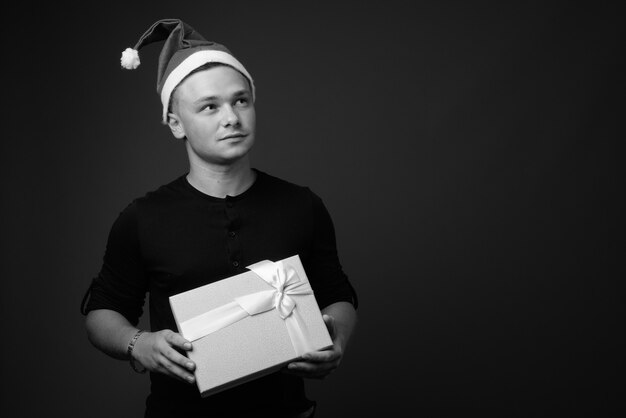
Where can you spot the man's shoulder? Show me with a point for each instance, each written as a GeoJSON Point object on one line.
{"type": "Point", "coordinates": [172, 189]}
{"type": "Point", "coordinates": [160, 195]}
{"type": "Point", "coordinates": [280, 185]}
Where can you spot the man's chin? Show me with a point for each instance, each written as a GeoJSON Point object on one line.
{"type": "Point", "coordinates": [233, 156]}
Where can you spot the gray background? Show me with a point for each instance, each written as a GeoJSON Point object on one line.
{"type": "Point", "coordinates": [467, 151]}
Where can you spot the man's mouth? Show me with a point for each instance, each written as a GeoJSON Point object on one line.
{"type": "Point", "coordinates": [233, 135]}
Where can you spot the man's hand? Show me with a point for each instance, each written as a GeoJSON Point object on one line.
{"type": "Point", "coordinates": [319, 364]}
{"type": "Point", "coordinates": [157, 352]}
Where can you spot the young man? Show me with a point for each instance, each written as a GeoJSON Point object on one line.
{"type": "Point", "coordinates": [205, 226]}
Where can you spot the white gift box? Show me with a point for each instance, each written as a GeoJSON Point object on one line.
{"type": "Point", "coordinates": [251, 324]}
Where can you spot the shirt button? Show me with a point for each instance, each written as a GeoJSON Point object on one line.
{"type": "Point", "coordinates": [232, 233]}
{"type": "Point", "coordinates": [236, 263]}
{"type": "Point", "coordinates": [229, 204]}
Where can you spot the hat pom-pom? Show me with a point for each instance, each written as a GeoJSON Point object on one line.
{"type": "Point", "coordinates": [130, 59]}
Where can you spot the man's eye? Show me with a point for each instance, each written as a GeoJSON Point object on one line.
{"type": "Point", "coordinates": [242, 101]}
{"type": "Point", "coordinates": [208, 106]}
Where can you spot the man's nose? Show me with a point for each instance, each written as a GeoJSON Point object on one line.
{"type": "Point", "coordinates": [230, 117]}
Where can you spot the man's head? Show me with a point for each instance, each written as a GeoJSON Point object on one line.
{"type": "Point", "coordinates": [212, 108]}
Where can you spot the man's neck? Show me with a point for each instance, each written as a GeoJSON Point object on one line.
{"type": "Point", "coordinates": [221, 181]}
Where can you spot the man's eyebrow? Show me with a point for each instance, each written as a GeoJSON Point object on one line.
{"type": "Point", "coordinates": [206, 99]}
{"type": "Point", "coordinates": [236, 94]}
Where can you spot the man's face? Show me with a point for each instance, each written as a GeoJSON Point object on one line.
{"type": "Point", "coordinates": [215, 112]}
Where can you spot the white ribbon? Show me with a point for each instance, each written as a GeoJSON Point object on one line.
{"type": "Point", "coordinates": [285, 284]}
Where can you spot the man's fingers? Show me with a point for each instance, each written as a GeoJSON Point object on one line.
{"type": "Point", "coordinates": [302, 366]}
{"type": "Point", "coordinates": [311, 370]}
{"type": "Point", "coordinates": [177, 358]}
{"type": "Point", "coordinates": [174, 370]}
{"type": "Point", "coordinates": [321, 356]}
{"type": "Point", "coordinates": [177, 340]}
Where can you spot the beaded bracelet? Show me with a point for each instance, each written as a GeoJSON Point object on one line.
{"type": "Point", "coordinates": [129, 351]}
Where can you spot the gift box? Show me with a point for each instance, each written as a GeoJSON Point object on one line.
{"type": "Point", "coordinates": [251, 324]}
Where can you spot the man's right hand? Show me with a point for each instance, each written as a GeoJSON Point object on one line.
{"type": "Point", "coordinates": [156, 351]}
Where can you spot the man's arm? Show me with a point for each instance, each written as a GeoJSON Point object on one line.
{"type": "Point", "coordinates": [340, 318]}
{"type": "Point", "coordinates": [110, 332]}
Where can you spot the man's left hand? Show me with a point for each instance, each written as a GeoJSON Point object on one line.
{"type": "Point", "coordinates": [319, 364]}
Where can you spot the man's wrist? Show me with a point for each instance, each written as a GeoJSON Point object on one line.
{"type": "Point", "coordinates": [129, 351]}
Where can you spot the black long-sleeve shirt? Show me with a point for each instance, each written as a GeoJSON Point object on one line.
{"type": "Point", "coordinates": [177, 238]}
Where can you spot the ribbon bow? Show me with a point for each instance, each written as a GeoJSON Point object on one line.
{"type": "Point", "coordinates": [285, 284]}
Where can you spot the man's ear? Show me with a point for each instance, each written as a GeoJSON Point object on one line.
{"type": "Point", "coordinates": [177, 128]}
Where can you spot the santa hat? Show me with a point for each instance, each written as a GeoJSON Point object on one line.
{"type": "Point", "coordinates": [184, 50]}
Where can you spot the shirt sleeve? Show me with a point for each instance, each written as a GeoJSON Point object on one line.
{"type": "Point", "coordinates": [121, 284]}
{"type": "Point", "coordinates": [329, 281]}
